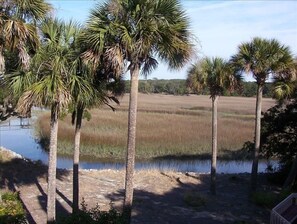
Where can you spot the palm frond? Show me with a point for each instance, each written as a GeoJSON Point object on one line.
{"type": "Point", "coordinates": [283, 89]}
{"type": "Point", "coordinates": [115, 58]}
{"type": "Point", "coordinates": [149, 65]}
{"type": "Point", "coordinates": [37, 9]}
{"type": "Point", "coordinates": [19, 81]}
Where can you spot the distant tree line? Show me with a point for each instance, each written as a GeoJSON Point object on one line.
{"type": "Point", "coordinates": [179, 87]}
{"type": "Point", "coordinates": [172, 87]}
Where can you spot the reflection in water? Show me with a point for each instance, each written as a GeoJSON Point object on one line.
{"type": "Point", "coordinates": [19, 138]}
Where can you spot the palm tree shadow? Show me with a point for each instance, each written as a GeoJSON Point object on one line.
{"type": "Point", "coordinates": [19, 172]}
{"type": "Point", "coordinates": [193, 203]}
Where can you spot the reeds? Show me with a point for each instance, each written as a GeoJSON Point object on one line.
{"type": "Point", "coordinates": [166, 126]}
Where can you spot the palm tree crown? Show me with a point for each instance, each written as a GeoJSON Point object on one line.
{"type": "Point", "coordinates": [262, 57]}
{"type": "Point", "coordinates": [215, 74]}
{"type": "Point", "coordinates": [143, 29]}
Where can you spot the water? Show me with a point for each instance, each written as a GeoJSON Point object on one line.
{"type": "Point", "coordinates": [21, 140]}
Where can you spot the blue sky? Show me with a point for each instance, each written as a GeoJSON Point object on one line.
{"type": "Point", "coordinates": [219, 26]}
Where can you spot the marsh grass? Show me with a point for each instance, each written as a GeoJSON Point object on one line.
{"type": "Point", "coordinates": [166, 126]}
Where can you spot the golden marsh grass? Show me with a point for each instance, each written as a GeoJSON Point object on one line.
{"type": "Point", "coordinates": [166, 126]}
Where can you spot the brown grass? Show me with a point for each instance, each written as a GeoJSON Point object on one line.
{"type": "Point", "coordinates": [166, 125]}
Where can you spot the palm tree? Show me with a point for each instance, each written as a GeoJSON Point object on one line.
{"type": "Point", "coordinates": [52, 66]}
{"type": "Point", "coordinates": [215, 75]}
{"type": "Point", "coordinates": [142, 31]}
{"type": "Point", "coordinates": [94, 81]}
{"type": "Point", "coordinates": [262, 58]}
{"type": "Point", "coordinates": [83, 95]}
{"type": "Point", "coordinates": [18, 32]}
{"type": "Point", "coordinates": [89, 90]}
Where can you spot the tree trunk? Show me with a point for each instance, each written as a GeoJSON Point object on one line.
{"type": "Point", "coordinates": [214, 144]}
{"type": "Point", "coordinates": [292, 175]}
{"type": "Point", "coordinates": [79, 114]}
{"type": "Point", "coordinates": [130, 156]}
{"type": "Point", "coordinates": [2, 60]}
{"type": "Point", "coordinates": [52, 165]}
{"type": "Point", "coordinates": [254, 174]}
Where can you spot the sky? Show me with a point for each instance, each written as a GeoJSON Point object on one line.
{"type": "Point", "coordinates": [219, 26]}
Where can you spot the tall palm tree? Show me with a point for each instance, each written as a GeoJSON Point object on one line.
{"type": "Point", "coordinates": [18, 32]}
{"type": "Point", "coordinates": [52, 66]}
{"type": "Point", "coordinates": [262, 58]}
{"type": "Point", "coordinates": [142, 31]}
{"type": "Point", "coordinates": [215, 75]}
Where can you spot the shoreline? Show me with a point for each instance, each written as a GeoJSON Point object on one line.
{"type": "Point", "coordinates": [159, 196]}
{"type": "Point", "coordinates": [13, 155]}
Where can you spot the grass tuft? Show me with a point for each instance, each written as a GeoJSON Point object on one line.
{"type": "Point", "coordinates": [194, 199]}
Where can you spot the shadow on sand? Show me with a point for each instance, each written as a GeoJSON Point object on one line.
{"type": "Point", "coordinates": [20, 172]}
{"type": "Point", "coordinates": [192, 203]}
{"type": "Point", "coordinates": [186, 199]}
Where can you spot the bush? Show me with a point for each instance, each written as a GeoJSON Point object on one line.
{"type": "Point", "coordinates": [194, 199]}
{"type": "Point", "coordinates": [264, 199]}
{"type": "Point", "coordinates": [269, 199]}
{"type": "Point", "coordinates": [11, 209]}
{"type": "Point", "coordinates": [94, 216]}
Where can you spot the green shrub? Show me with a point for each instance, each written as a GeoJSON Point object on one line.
{"type": "Point", "coordinates": [94, 216]}
{"type": "Point", "coordinates": [269, 199]}
{"type": "Point", "coordinates": [11, 209]}
{"type": "Point", "coordinates": [264, 199]}
{"type": "Point", "coordinates": [194, 199]}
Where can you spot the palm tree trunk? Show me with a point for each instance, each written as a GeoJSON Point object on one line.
{"type": "Point", "coordinates": [2, 60]}
{"type": "Point", "coordinates": [52, 165]}
{"type": "Point", "coordinates": [254, 173]}
{"type": "Point", "coordinates": [130, 156]}
{"type": "Point", "coordinates": [214, 144]}
{"type": "Point", "coordinates": [79, 114]}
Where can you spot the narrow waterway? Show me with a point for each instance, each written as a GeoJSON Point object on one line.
{"type": "Point", "coordinates": [17, 136]}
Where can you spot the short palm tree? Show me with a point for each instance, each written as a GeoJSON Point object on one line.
{"type": "Point", "coordinates": [51, 64]}
{"type": "Point", "coordinates": [94, 81]}
{"type": "Point", "coordinates": [141, 30]}
{"type": "Point", "coordinates": [18, 31]}
{"type": "Point", "coordinates": [262, 58]}
{"type": "Point", "coordinates": [89, 89]}
{"type": "Point", "coordinates": [83, 95]}
{"type": "Point", "coordinates": [215, 75]}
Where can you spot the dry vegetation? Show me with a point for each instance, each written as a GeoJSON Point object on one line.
{"type": "Point", "coordinates": [166, 126]}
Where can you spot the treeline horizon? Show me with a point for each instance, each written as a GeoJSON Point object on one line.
{"type": "Point", "coordinates": [179, 87]}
